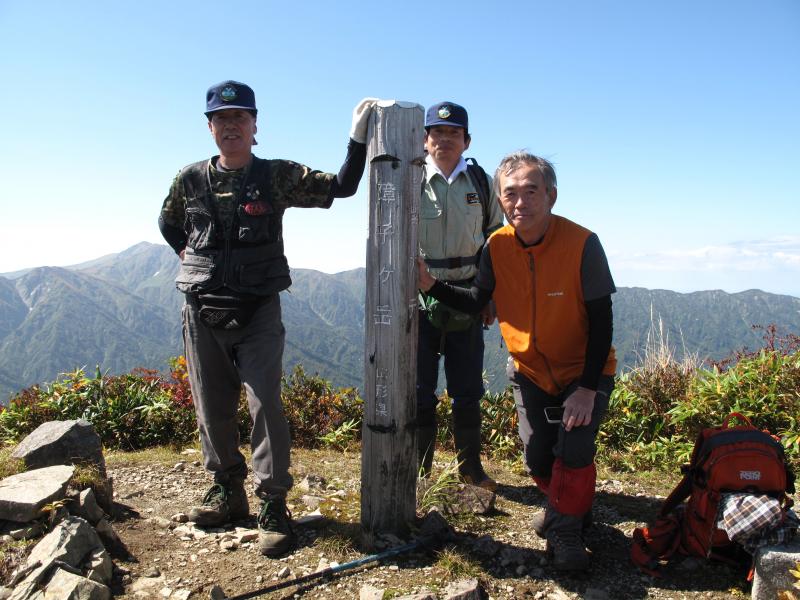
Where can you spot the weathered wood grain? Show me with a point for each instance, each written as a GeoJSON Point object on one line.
{"type": "Point", "coordinates": [389, 463]}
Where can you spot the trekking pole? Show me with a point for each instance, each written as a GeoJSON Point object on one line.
{"type": "Point", "coordinates": [330, 571]}
{"type": "Point", "coordinates": [434, 531]}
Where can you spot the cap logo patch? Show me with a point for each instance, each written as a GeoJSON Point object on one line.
{"type": "Point", "coordinates": [228, 93]}
{"type": "Point", "coordinates": [444, 112]}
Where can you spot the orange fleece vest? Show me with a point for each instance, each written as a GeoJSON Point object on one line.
{"type": "Point", "coordinates": [540, 306]}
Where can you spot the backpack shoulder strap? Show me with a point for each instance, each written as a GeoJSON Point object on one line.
{"type": "Point", "coordinates": [481, 182]}
{"type": "Point", "coordinates": [680, 493]}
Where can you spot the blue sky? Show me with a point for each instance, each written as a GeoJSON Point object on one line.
{"type": "Point", "coordinates": [673, 126]}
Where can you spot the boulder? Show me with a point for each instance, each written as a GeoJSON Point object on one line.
{"type": "Point", "coordinates": [23, 496]}
{"type": "Point", "coordinates": [64, 585]}
{"type": "Point", "coordinates": [771, 573]}
{"type": "Point", "coordinates": [466, 589]}
{"type": "Point", "coordinates": [62, 442]}
{"type": "Point", "coordinates": [84, 505]}
{"type": "Point", "coordinates": [73, 545]}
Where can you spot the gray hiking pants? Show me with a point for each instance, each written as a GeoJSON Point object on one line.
{"type": "Point", "coordinates": [221, 361]}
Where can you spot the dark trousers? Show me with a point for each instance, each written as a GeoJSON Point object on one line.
{"type": "Point", "coordinates": [220, 362]}
{"type": "Point", "coordinates": [463, 364]}
{"type": "Point", "coordinates": [543, 442]}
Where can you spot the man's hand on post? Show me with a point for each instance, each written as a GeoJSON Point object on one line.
{"type": "Point", "coordinates": [578, 408]}
{"type": "Point", "coordinates": [361, 113]}
{"type": "Point", "coordinates": [425, 280]}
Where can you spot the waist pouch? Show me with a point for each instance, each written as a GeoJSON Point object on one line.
{"type": "Point", "coordinates": [226, 312]}
{"type": "Point", "coordinates": [443, 316]}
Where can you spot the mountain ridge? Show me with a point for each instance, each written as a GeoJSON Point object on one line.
{"type": "Point", "coordinates": [122, 311]}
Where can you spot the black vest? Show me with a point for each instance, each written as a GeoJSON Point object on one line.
{"type": "Point", "coordinates": [248, 258]}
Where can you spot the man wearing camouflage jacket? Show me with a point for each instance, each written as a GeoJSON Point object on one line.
{"type": "Point", "coordinates": [223, 217]}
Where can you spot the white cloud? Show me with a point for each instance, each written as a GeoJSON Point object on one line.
{"type": "Point", "coordinates": [770, 264]}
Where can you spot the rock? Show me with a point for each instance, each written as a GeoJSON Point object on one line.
{"type": "Point", "coordinates": [70, 542]}
{"type": "Point", "coordinates": [311, 481]}
{"type": "Point", "coordinates": [189, 452]}
{"type": "Point", "coordinates": [486, 545]}
{"type": "Point", "coordinates": [311, 519]}
{"type": "Point", "coordinates": [216, 593]}
{"type": "Point", "coordinates": [67, 585]}
{"type": "Point", "coordinates": [152, 572]}
{"type": "Point", "coordinates": [368, 592]}
{"type": "Point", "coordinates": [104, 494]}
{"type": "Point", "coordinates": [772, 565]}
{"type": "Point", "coordinates": [181, 594]}
{"type": "Point", "coordinates": [471, 498]}
{"type": "Point", "coordinates": [284, 573]}
{"type": "Point", "coordinates": [146, 587]}
{"type": "Point", "coordinates": [60, 443]}
{"type": "Point", "coordinates": [108, 535]}
{"type": "Point", "coordinates": [22, 496]}
{"type": "Point", "coordinates": [466, 589]}
{"type": "Point", "coordinates": [100, 567]}
{"type": "Point", "coordinates": [180, 518]}
{"type": "Point", "coordinates": [311, 502]}
{"type": "Point", "coordinates": [161, 522]}
{"type": "Point", "coordinates": [27, 533]}
{"type": "Point", "coordinates": [247, 535]}
{"type": "Point", "coordinates": [419, 596]}
{"type": "Point", "coordinates": [85, 506]}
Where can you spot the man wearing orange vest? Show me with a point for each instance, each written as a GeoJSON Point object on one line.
{"type": "Point", "coordinates": [552, 288]}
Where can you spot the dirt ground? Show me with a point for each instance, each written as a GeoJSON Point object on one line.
{"type": "Point", "coordinates": [163, 558]}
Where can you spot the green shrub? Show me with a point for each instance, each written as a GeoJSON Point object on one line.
{"type": "Point", "coordinates": [314, 409]}
{"type": "Point", "coordinates": [658, 409]}
{"type": "Point", "coordinates": [129, 412]}
{"type": "Point", "coordinates": [499, 422]}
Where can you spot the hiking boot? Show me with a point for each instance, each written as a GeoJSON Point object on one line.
{"type": "Point", "coordinates": [275, 533]}
{"type": "Point", "coordinates": [566, 548]}
{"type": "Point", "coordinates": [480, 480]}
{"type": "Point", "coordinates": [222, 504]}
{"type": "Point", "coordinates": [540, 527]}
{"type": "Point", "coordinates": [467, 436]}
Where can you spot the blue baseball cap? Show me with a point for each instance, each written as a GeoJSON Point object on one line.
{"type": "Point", "coordinates": [230, 94]}
{"type": "Point", "coordinates": [447, 113]}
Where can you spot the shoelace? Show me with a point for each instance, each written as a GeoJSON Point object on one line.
{"type": "Point", "coordinates": [567, 539]}
{"type": "Point", "coordinates": [216, 495]}
{"type": "Point", "coordinates": [270, 516]}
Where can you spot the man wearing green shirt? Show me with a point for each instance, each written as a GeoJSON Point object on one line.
{"type": "Point", "coordinates": [454, 224]}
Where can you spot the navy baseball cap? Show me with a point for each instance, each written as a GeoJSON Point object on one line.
{"type": "Point", "coordinates": [447, 113]}
{"type": "Point", "coordinates": [230, 94]}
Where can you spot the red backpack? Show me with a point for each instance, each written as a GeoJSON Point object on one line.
{"type": "Point", "coordinates": [725, 459]}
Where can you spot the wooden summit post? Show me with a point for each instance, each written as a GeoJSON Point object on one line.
{"type": "Point", "coordinates": [388, 450]}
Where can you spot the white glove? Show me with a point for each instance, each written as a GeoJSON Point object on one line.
{"type": "Point", "coordinates": [361, 113]}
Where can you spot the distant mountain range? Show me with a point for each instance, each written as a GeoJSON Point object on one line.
{"type": "Point", "coordinates": [122, 311]}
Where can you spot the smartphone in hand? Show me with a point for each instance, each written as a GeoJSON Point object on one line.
{"type": "Point", "coordinates": [554, 414]}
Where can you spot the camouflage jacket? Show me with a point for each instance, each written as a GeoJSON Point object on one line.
{"type": "Point", "coordinates": [233, 222]}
